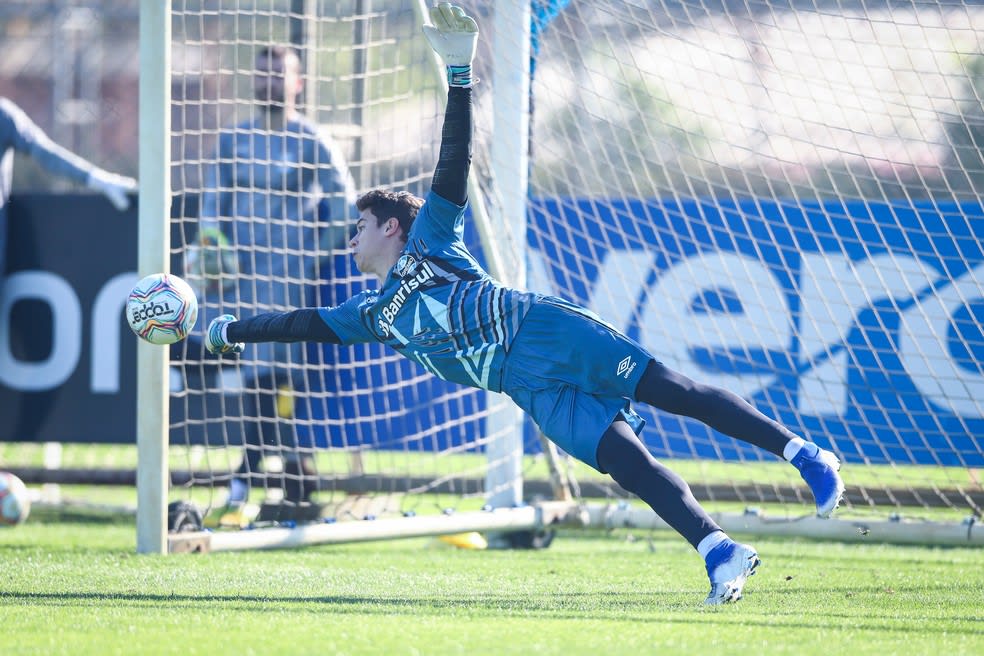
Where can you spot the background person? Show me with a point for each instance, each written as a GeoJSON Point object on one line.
{"type": "Point", "coordinates": [18, 133]}
{"type": "Point", "coordinates": [267, 209]}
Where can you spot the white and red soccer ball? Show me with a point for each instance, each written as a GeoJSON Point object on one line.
{"type": "Point", "coordinates": [15, 504]}
{"type": "Point", "coordinates": [162, 309]}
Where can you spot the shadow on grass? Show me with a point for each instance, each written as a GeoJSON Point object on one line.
{"type": "Point", "coordinates": [78, 516]}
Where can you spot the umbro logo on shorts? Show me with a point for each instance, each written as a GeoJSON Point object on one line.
{"type": "Point", "coordinates": [625, 367]}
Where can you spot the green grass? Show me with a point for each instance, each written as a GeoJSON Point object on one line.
{"type": "Point", "coordinates": [78, 588]}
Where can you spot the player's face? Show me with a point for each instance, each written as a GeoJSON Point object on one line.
{"type": "Point", "coordinates": [370, 243]}
{"type": "Point", "coordinates": [276, 81]}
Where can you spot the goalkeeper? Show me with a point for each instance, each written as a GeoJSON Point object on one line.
{"type": "Point", "coordinates": [572, 372]}
{"type": "Point", "coordinates": [269, 206]}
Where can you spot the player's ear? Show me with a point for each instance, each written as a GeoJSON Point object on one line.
{"type": "Point", "coordinates": [392, 226]}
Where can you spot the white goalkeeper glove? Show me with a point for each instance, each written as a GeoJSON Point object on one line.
{"type": "Point", "coordinates": [215, 338]}
{"type": "Point", "coordinates": [112, 186]}
{"type": "Point", "coordinates": [454, 36]}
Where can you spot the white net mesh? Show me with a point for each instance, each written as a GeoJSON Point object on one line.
{"type": "Point", "coordinates": [782, 199]}
{"type": "Point", "coordinates": [349, 424]}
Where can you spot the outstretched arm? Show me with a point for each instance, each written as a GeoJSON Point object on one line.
{"type": "Point", "coordinates": [451, 175]}
{"type": "Point", "coordinates": [227, 335]}
{"type": "Point", "coordinates": [28, 138]}
{"type": "Point", "coordinates": [454, 36]}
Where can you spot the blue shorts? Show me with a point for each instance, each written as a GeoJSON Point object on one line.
{"type": "Point", "coordinates": [574, 375]}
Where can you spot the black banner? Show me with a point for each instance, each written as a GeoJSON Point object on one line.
{"type": "Point", "coordinates": [67, 356]}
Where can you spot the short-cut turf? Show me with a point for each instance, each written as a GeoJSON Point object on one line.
{"type": "Point", "coordinates": [79, 588]}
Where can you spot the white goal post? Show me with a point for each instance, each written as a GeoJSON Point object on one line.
{"type": "Point", "coordinates": [780, 199]}
{"type": "Point", "coordinates": [154, 255]}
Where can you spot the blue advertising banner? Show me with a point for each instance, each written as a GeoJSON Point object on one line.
{"type": "Point", "coordinates": [857, 324]}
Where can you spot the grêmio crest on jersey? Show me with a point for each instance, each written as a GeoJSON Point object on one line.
{"type": "Point", "coordinates": [405, 264]}
{"type": "Point", "coordinates": [414, 276]}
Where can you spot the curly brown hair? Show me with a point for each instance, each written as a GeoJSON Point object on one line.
{"type": "Point", "coordinates": [401, 205]}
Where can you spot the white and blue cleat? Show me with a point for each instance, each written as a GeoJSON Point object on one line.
{"type": "Point", "coordinates": [728, 567]}
{"type": "Point", "coordinates": [820, 473]}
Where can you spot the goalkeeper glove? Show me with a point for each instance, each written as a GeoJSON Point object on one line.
{"type": "Point", "coordinates": [453, 36]}
{"type": "Point", "coordinates": [215, 339]}
{"type": "Point", "coordinates": [112, 186]}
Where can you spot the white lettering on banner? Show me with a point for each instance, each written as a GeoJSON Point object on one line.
{"type": "Point", "coordinates": [833, 292]}
{"type": "Point", "coordinates": [104, 377]}
{"type": "Point", "coordinates": [671, 327]}
{"type": "Point", "coordinates": [923, 347]}
{"type": "Point", "coordinates": [66, 331]}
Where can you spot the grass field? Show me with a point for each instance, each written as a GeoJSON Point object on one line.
{"type": "Point", "coordinates": [79, 588]}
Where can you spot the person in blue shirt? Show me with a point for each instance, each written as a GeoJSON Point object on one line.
{"type": "Point", "coordinates": [18, 133]}
{"type": "Point", "coordinates": [278, 196]}
{"type": "Point", "coordinates": [572, 372]}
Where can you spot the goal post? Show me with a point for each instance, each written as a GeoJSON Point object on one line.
{"type": "Point", "coordinates": [780, 201]}
{"type": "Point", "coordinates": [154, 256]}
{"type": "Point", "coordinates": [509, 164]}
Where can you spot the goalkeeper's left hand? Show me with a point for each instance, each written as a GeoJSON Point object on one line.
{"type": "Point", "coordinates": [453, 35]}
{"type": "Point", "coordinates": [112, 186]}
{"type": "Point", "coordinates": [215, 339]}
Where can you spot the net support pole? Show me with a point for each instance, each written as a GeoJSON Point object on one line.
{"type": "Point", "coordinates": [968, 533]}
{"type": "Point", "coordinates": [503, 236]}
{"type": "Point", "coordinates": [510, 164]}
{"type": "Point", "coordinates": [154, 248]}
{"type": "Point", "coordinates": [503, 520]}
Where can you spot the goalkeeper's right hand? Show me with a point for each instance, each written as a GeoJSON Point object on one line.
{"type": "Point", "coordinates": [215, 339]}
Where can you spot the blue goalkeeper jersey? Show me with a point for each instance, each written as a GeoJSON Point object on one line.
{"type": "Point", "coordinates": [437, 305]}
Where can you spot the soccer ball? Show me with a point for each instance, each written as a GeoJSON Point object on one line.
{"type": "Point", "coordinates": [15, 505]}
{"type": "Point", "coordinates": [162, 309]}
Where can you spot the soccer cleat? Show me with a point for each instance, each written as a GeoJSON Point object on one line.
{"type": "Point", "coordinates": [728, 566]}
{"type": "Point", "coordinates": [820, 473]}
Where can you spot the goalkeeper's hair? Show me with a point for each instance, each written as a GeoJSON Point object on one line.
{"type": "Point", "coordinates": [401, 205]}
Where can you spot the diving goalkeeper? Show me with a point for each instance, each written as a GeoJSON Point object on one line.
{"type": "Point", "coordinates": [574, 374]}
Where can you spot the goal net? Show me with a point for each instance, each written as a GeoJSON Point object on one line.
{"type": "Point", "coordinates": [319, 433]}
{"type": "Point", "coordinates": [783, 200]}
{"type": "Point", "coordinates": [780, 199]}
